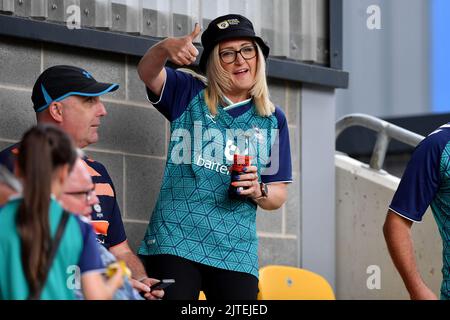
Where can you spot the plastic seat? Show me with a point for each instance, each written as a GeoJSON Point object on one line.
{"type": "Point", "coordinates": [290, 283]}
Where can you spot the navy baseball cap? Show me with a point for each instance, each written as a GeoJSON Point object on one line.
{"type": "Point", "coordinates": [59, 82]}
{"type": "Point", "coordinates": [230, 26]}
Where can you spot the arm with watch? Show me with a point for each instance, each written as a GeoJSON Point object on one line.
{"type": "Point", "coordinates": [266, 196]}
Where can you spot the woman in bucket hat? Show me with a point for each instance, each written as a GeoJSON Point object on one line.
{"type": "Point", "coordinates": [202, 231]}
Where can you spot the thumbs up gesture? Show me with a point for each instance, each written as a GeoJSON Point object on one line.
{"type": "Point", "coordinates": [182, 51]}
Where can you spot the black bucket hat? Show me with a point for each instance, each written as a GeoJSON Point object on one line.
{"type": "Point", "coordinates": [59, 82]}
{"type": "Point", "coordinates": [227, 27]}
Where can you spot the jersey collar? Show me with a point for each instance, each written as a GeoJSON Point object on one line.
{"type": "Point", "coordinates": [231, 105]}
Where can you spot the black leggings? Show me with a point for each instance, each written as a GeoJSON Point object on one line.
{"type": "Point", "coordinates": [191, 277]}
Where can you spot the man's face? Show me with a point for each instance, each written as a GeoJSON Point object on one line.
{"type": "Point", "coordinates": [79, 195]}
{"type": "Point", "coordinates": [81, 118]}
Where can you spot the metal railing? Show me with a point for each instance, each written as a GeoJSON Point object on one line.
{"type": "Point", "coordinates": [386, 132]}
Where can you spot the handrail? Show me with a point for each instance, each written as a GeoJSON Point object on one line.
{"type": "Point", "coordinates": [386, 131]}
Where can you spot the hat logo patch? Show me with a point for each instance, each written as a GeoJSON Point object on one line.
{"type": "Point", "coordinates": [225, 24]}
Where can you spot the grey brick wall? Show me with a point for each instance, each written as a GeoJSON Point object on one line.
{"type": "Point", "coordinates": [133, 136]}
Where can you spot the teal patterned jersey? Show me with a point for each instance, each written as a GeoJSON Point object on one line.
{"type": "Point", "coordinates": [194, 218]}
{"type": "Point", "coordinates": [440, 207]}
{"type": "Point", "coordinates": [426, 182]}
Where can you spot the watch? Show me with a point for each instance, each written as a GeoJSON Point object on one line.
{"type": "Point", "coordinates": [264, 191]}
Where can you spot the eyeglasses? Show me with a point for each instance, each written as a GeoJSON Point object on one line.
{"type": "Point", "coordinates": [229, 56]}
{"type": "Point", "coordinates": [89, 194]}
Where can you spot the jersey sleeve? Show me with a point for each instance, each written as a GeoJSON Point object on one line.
{"type": "Point", "coordinates": [178, 90]}
{"type": "Point", "coordinates": [116, 231]}
{"type": "Point", "coordinates": [90, 255]}
{"type": "Point", "coordinates": [280, 166]}
{"type": "Point", "coordinates": [106, 193]}
{"type": "Point", "coordinates": [7, 157]}
{"type": "Point", "coordinates": [421, 179]}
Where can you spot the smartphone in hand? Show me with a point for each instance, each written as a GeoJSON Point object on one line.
{"type": "Point", "coordinates": [162, 284]}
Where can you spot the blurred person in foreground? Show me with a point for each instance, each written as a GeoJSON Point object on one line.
{"type": "Point", "coordinates": [79, 197]}
{"type": "Point", "coordinates": [34, 226]}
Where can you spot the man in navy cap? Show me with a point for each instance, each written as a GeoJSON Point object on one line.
{"type": "Point", "coordinates": [69, 97]}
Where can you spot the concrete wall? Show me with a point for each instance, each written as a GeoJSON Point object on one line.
{"type": "Point", "coordinates": [133, 136]}
{"type": "Point", "coordinates": [362, 200]}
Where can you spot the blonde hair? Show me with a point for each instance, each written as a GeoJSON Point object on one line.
{"type": "Point", "coordinates": [219, 81]}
